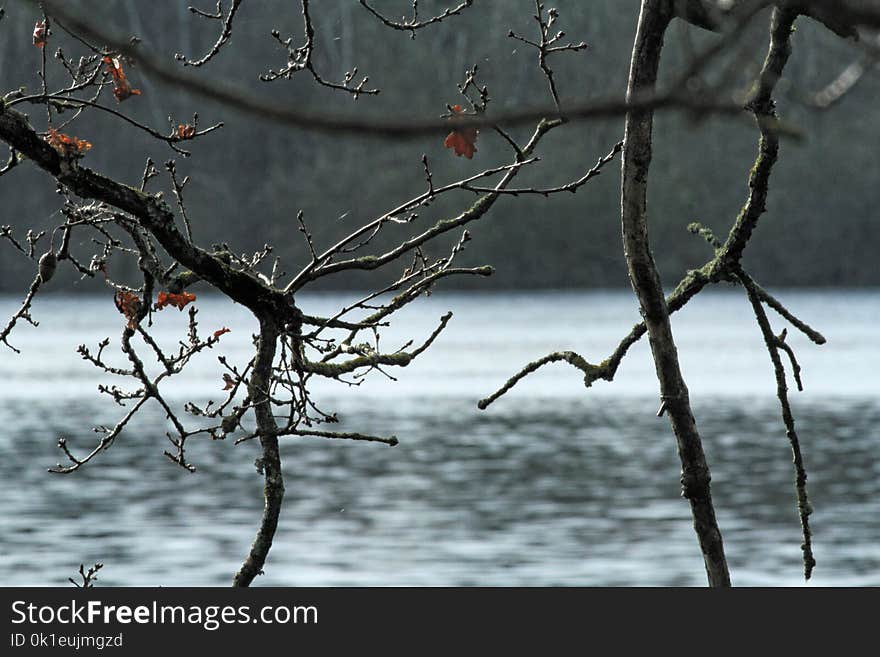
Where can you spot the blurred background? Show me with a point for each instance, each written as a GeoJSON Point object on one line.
{"type": "Point", "coordinates": [554, 484]}
{"type": "Point", "coordinates": [250, 179]}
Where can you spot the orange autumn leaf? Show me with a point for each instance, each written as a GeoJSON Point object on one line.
{"type": "Point", "coordinates": [129, 304]}
{"type": "Point", "coordinates": [65, 144]}
{"type": "Point", "coordinates": [186, 131]}
{"type": "Point", "coordinates": [121, 86]}
{"type": "Point", "coordinates": [41, 34]}
{"type": "Point", "coordinates": [177, 300]}
{"type": "Point", "coordinates": [462, 140]}
{"type": "Point", "coordinates": [220, 332]}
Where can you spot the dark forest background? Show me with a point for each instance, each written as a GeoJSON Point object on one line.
{"type": "Point", "coordinates": [250, 179]}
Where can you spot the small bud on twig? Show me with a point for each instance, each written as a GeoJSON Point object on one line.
{"type": "Point", "coordinates": [48, 264]}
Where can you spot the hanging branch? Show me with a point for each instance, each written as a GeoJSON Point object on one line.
{"type": "Point", "coordinates": [695, 478]}
{"type": "Point", "coordinates": [774, 343]}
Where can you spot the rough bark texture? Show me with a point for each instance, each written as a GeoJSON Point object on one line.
{"type": "Point", "coordinates": [152, 213]}
{"type": "Point", "coordinates": [762, 105]}
{"type": "Point", "coordinates": [270, 461]}
{"type": "Point", "coordinates": [653, 21]}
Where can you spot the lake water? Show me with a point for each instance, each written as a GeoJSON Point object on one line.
{"type": "Point", "coordinates": [553, 485]}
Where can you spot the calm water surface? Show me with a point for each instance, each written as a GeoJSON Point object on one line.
{"type": "Point", "coordinates": [555, 484]}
